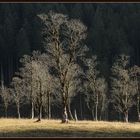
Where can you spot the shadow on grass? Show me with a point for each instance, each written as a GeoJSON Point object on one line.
{"type": "Point", "coordinates": [67, 133]}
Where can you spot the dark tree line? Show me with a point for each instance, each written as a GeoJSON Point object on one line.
{"type": "Point", "coordinates": [82, 63]}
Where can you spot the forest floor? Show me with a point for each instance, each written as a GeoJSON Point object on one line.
{"type": "Point", "coordinates": [54, 128]}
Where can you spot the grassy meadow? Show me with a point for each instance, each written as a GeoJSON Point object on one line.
{"type": "Point", "coordinates": [54, 128]}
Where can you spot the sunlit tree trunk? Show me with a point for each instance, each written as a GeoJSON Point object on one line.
{"type": "Point", "coordinates": [49, 106]}
{"type": "Point", "coordinates": [126, 116]}
{"type": "Point", "coordinates": [18, 111]}
{"type": "Point", "coordinates": [96, 108]}
{"type": "Point", "coordinates": [69, 111]}
{"type": "Point", "coordinates": [32, 93]}
{"type": "Point", "coordinates": [32, 110]}
{"type": "Point", "coordinates": [81, 111]}
{"type": "Point", "coordinates": [64, 111]}
{"type": "Point", "coordinates": [75, 115]}
{"type": "Point", "coordinates": [40, 102]}
{"type": "Point", "coordinates": [138, 107]}
{"type": "Point", "coordinates": [138, 100]}
{"type": "Point", "coordinates": [40, 113]}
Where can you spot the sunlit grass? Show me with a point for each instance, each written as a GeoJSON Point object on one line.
{"type": "Point", "coordinates": [54, 128]}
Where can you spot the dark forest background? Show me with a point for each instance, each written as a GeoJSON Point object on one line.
{"type": "Point", "coordinates": [112, 29]}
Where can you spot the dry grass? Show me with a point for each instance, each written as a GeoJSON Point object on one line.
{"type": "Point", "coordinates": [54, 128]}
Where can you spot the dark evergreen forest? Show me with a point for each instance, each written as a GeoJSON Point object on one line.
{"type": "Point", "coordinates": [112, 29]}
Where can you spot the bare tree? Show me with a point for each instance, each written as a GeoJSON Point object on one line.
{"type": "Point", "coordinates": [123, 88]}
{"type": "Point", "coordinates": [39, 77]}
{"type": "Point", "coordinates": [4, 93]}
{"type": "Point", "coordinates": [38, 80]}
{"type": "Point", "coordinates": [26, 72]}
{"type": "Point", "coordinates": [18, 92]}
{"type": "Point", "coordinates": [135, 75]}
{"type": "Point", "coordinates": [96, 87]}
{"type": "Point", "coordinates": [46, 80]}
{"type": "Point", "coordinates": [63, 42]}
{"type": "Point", "coordinates": [49, 92]}
{"type": "Point", "coordinates": [6, 97]}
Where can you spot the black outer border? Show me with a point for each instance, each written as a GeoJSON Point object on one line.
{"type": "Point", "coordinates": [66, 1]}
{"type": "Point", "coordinates": [67, 138]}
{"type": "Point", "coordinates": [70, 1]}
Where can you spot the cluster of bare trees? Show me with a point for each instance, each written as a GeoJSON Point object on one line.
{"type": "Point", "coordinates": [57, 68]}
{"type": "Point", "coordinates": [56, 73]}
